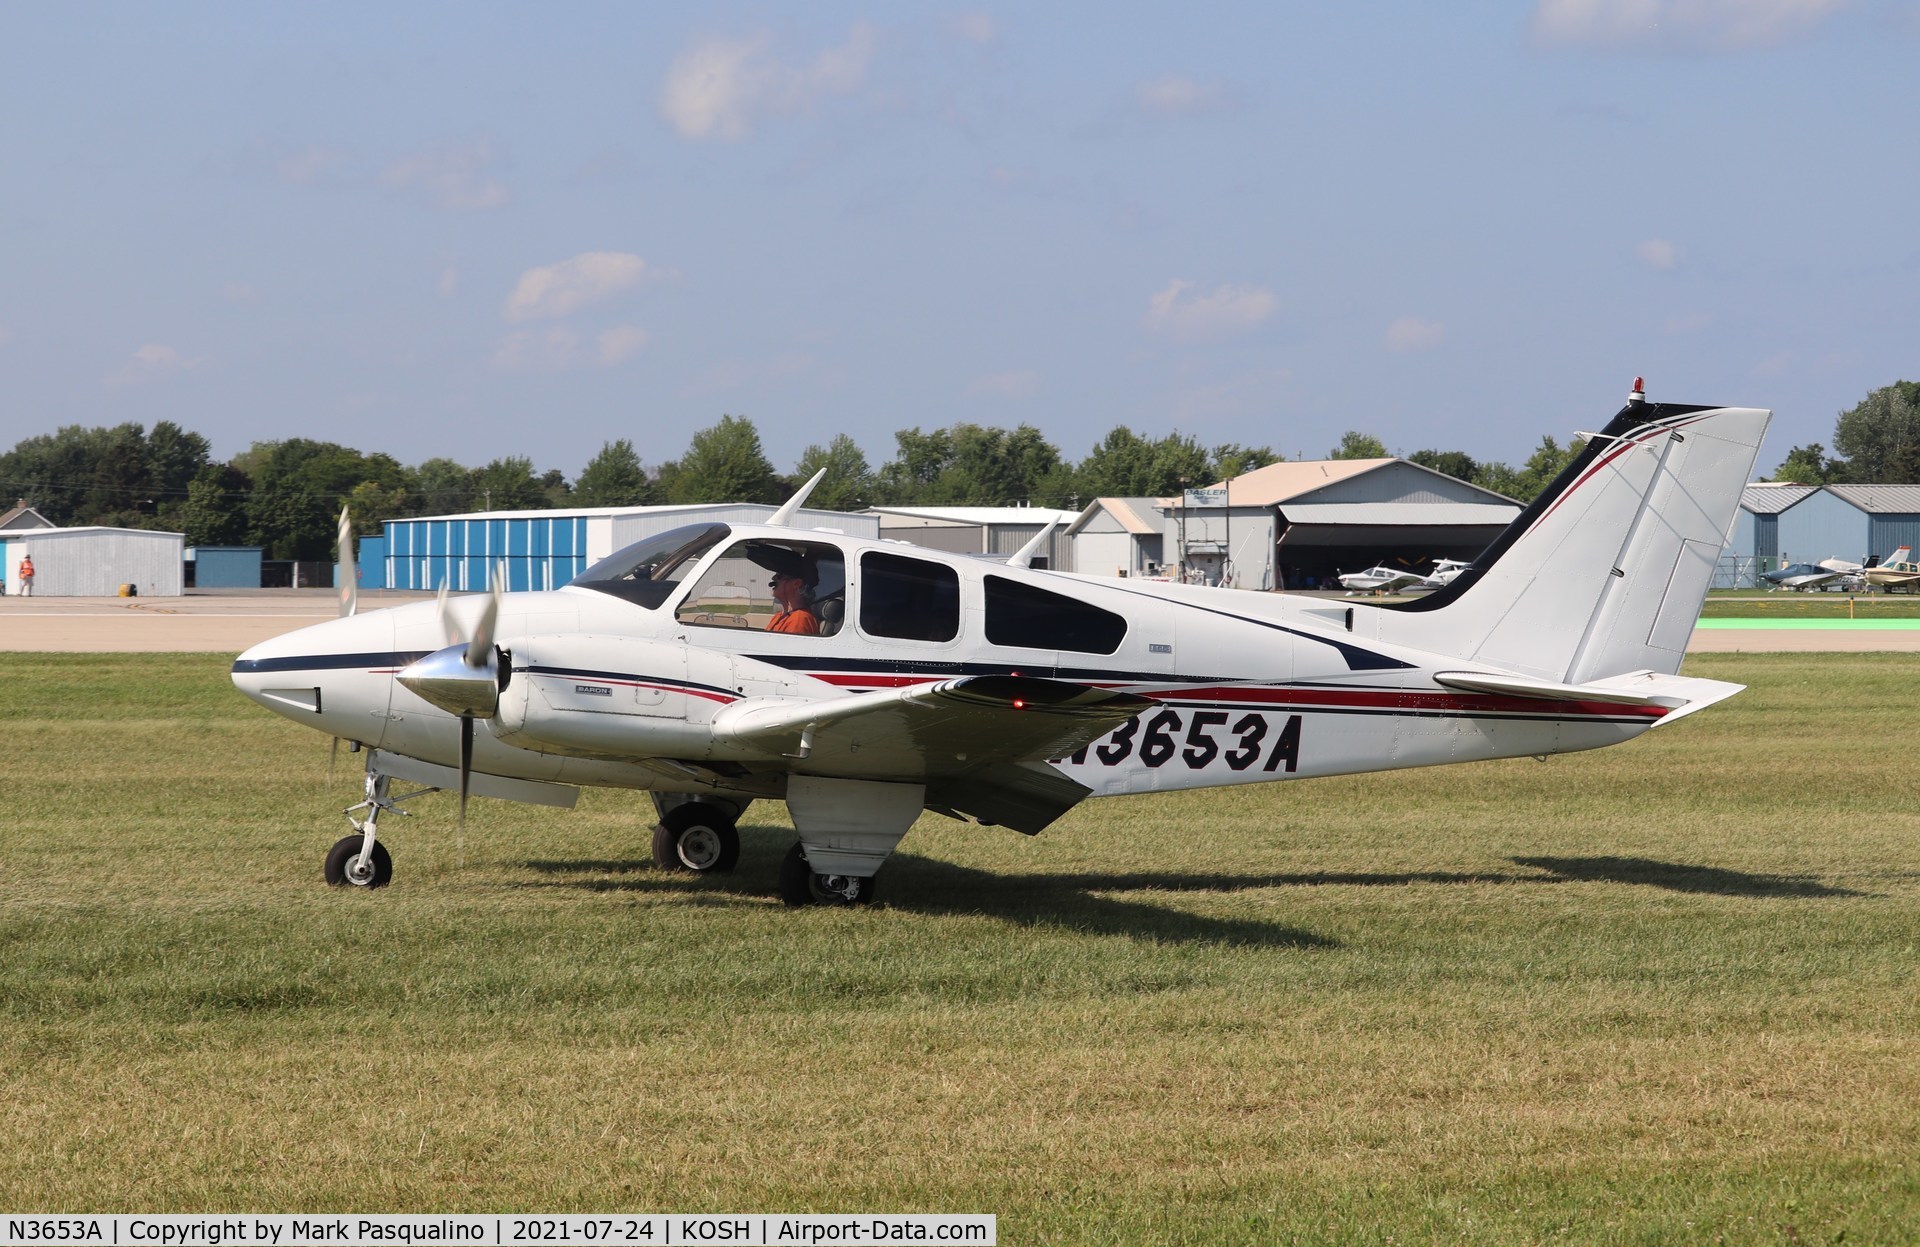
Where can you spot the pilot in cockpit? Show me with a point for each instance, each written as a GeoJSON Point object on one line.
{"type": "Point", "coordinates": [793, 583]}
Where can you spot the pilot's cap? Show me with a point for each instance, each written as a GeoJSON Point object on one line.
{"type": "Point", "coordinates": [785, 562]}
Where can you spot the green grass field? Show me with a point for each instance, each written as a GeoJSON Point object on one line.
{"type": "Point", "coordinates": [1751, 605]}
{"type": "Point", "coordinates": [1665, 992]}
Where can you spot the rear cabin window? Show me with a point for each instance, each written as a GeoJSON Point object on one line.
{"type": "Point", "coordinates": [1019, 614]}
{"type": "Point", "coordinates": [910, 599]}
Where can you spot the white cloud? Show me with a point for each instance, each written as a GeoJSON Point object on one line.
{"type": "Point", "coordinates": [1678, 25]}
{"type": "Point", "coordinates": [1228, 309]}
{"type": "Point", "coordinates": [1410, 333]}
{"type": "Point", "coordinates": [456, 176]}
{"type": "Point", "coordinates": [621, 343]}
{"type": "Point", "coordinates": [1658, 254]}
{"type": "Point", "coordinates": [721, 88]}
{"type": "Point", "coordinates": [1020, 383]}
{"type": "Point", "coordinates": [1176, 95]}
{"type": "Point", "coordinates": [449, 283]}
{"type": "Point", "coordinates": [152, 362]}
{"type": "Point", "coordinates": [555, 290]}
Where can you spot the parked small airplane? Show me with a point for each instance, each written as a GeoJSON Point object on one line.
{"type": "Point", "coordinates": [1444, 573]}
{"type": "Point", "coordinates": [1801, 576]}
{"type": "Point", "coordinates": [862, 682]}
{"type": "Point", "coordinates": [1896, 571]}
{"type": "Point", "coordinates": [1379, 579]}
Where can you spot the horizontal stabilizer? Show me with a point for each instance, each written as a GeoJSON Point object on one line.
{"type": "Point", "coordinates": [1678, 695]}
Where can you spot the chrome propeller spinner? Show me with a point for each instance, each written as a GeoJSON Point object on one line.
{"type": "Point", "coordinates": [463, 679]}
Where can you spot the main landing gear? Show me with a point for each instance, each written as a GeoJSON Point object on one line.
{"type": "Point", "coordinates": [697, 836]}
{"type": "Point", "coordinates": [800, 884]}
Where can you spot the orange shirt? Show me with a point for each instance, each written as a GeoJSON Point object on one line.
{"type": "Point", "coordinates": [800, 623]}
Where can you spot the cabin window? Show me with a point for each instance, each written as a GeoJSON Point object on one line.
{"type": "Point", "coordinates": [761, 585]}
{"type": "Point", "coordinates": [910, 599]}
{"type": "Point", "coordinates": [647, 572]}
{"type": "Point", "coordinates": [1020, 614]}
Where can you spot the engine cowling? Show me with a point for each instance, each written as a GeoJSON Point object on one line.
{"type": "Point", "coordinates": [613, 697]}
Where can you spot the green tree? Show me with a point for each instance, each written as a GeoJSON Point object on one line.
{"type": "Point", "coordinates": [214, 512]}
{"type": "Point", "coordinates": [1454, 463]}
{"type": "Point", "coordinates": [1357, 445]}
{"type": "Point", "coordinates": [848, 484]}
{"type": "Point", "coordinates": [725, 463]}
{"type": "Point", "coordinates": [1879, 438]}
{"type": "Point", "coordinates": [974, 465]}
{"type": "Point", "coordinates": [1525, 483]}
{"type": "Point", "coordinates": [1807, 465]}
{"type": "Point", "coordinates": [613, 478]}
{"type": "Point", "coordinates": [508, 484]}
{"type": "Point", "coordinates": [299, 486]}
{"type": "Point", "coordinates": [1126, 465]}
{"type": "Point", "coordinates": [441, 487]}
{"type": "Point", "coordinates": [1232, 459]}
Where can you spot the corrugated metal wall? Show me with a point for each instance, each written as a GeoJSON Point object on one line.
{"type": "Point", "coordinates": [95, 562]}
{"type": "Point", "coordinates": [1823, 526]}
{"type": "Point", "coordinates": [226, 567]}
{"type": "Point", "coordinates": [547, 551]}
{"type": "Point", "coordinates": [1890, 532]}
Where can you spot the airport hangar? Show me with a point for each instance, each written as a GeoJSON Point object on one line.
{"type": "Point", "coordinates": [1780, 523]}
{"type": "Point", "coordinates": [546, 549]}
{"type": "Point", "coordinates": [1294, 525]}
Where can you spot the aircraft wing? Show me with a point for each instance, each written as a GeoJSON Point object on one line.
{"type": "Point", "coordinates": [979, 743]}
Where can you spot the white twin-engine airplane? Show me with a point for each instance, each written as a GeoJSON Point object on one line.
{"type": "Point", "coordinates": [862, 682]}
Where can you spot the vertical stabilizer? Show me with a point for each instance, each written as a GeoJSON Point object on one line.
{"type": "Point", "coordinates": [1604, 573]}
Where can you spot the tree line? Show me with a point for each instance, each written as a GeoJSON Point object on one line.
{"type": "Point", "coordinates": [285, 496]}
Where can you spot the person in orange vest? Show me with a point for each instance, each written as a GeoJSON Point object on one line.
{"type": "Point", "coordinates": [796, 606]}
{"type": "Point", "coordinates": [26, 576]}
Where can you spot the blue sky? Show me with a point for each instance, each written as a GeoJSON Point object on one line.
{"type": "Point", "coordinates": [475, 231]}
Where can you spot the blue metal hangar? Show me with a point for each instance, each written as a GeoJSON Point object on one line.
{"type": "Point", "coordinates": [546, 549]}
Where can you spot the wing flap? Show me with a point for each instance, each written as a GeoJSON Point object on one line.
{"type": "Point", "coordinates": [927, 731]}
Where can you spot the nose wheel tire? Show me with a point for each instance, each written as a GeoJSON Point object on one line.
{"type": "Point", "coordinates": [696, 837]}
{"type": "Point", "coordinates": [348, 867]}
{"type": "Point", "coordinates": [800, 885]}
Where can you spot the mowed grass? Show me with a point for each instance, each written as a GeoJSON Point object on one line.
{"type": "Point", "coordinates": [1812, 605]}
{"type": "Point", "coordinates": [1664, 992]}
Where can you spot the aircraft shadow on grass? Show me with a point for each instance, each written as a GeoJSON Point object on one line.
{"type": "Point", "coordinates": [925, 885]}
{"type": "Point", "coordinates": [1676, 877]}
{"type": "Point", "coordinates": [1101, 903]}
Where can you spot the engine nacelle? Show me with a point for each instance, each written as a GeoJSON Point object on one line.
{"type": "Point", "coordinates": [613, 697]}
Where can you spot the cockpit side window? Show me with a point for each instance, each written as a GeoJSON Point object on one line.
{"type": "Point", "coordinates": [647, 572]}
{"type": "Point", "coordinates": [911, 599]}
{"type": "Point", "coordinates": [766, 585]}
{"type": "Point", "coordinates": [1023, 615]}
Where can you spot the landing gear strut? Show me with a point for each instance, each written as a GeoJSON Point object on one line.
{"type": "Point", "coordinates": [360, 860]}
{"type": "Point", "coordinates": [801, 885]}
{"type": "Point", "coordinates": [696, 836]}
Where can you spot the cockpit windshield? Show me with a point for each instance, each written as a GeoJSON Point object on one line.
{"type": "Point", "coordinates": [647, 572]}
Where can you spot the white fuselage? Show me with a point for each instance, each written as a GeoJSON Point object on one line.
{"type": "Point", "coordinates": [602, 691]}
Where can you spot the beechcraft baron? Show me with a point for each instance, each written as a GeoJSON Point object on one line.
{"type": "Point", "coordinates": [862, 682]}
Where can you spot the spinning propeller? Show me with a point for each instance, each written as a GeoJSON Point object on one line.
{"type": "Point", "coordinates": [465, 678]}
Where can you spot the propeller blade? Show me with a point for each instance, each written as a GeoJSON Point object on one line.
{"type": "Point", "coordinates": [447, 624]}
{"type": "Point", "coordinates": [333, 756]}
{"type": "Point", "coordinates": [466, 774]}
{"type": "Point", "coordinates": [482, 643]}
{"type": "Point", "coordinates": [348, 585]}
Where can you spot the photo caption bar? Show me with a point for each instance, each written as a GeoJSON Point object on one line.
{"type": "Point", "coordinates": [496, 1229]}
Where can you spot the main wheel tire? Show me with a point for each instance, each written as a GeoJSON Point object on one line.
{"type": "Point", "coordinates": [800, 885]}
{"type": "Point", "coordinates": [346, 868]}
{"type": "Point", "coordinates": [696, 837]}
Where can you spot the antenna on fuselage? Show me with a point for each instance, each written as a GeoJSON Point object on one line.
{"type": "Point", "coordinates": [782, 517]}
{"type": "Point", "coordinates": [1025, 557]}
